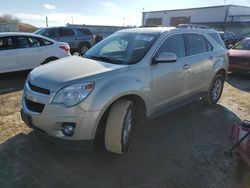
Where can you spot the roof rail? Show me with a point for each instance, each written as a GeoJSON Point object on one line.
{"type": "Point", "coordinates": [193, 26]}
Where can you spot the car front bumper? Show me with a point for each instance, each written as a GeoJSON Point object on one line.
{"type": "Point", "coordinates": [54, 116]}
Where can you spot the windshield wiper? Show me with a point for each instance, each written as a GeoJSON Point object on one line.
{"type": "Point", "coordinates": [106, 59]}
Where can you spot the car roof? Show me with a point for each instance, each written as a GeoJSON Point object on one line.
{"type": "Point", "coordinates": [66, 27]}
{"type": "Point", "coordinates": [3, 34]}
{"type": "Point", "coordinates": [12, 34]}
{"type": "Point", "coordinates": [165, 29]}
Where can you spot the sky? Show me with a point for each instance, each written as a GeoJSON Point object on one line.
{"type": "Point", "coordinates": [96, 12]}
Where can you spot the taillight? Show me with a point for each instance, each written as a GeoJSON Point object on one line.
{"type": "Point", "coordinates": [65, 47]}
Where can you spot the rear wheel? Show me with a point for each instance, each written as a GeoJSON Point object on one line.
{"type": "Point", "coordinates": [119, 127]}
{"type": "Point", "coordinates": [215, 90]}
{"type": "Point", "coordinates": [83, 48]}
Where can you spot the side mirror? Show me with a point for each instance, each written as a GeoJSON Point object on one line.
{"type": "Point", "coordinates": [165, 58]}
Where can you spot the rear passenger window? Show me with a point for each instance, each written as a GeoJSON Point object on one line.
{"type": "Point", "coordinates": [53, 32]}
{"type": "Point", "coordinates": [196, 44]}
{"type": "Point", "coordinates": [85, 31]}
{"type": "Point", "coordinates": [67, 32]}
{"type": "Point", "coordinates": [23, 42]}
{"type": "Point", "coordinates": [34, 42]}
{"type": "Point", "coordinates": [209, 46]}
{"type": "Point", "coordinates": [7, 43]}
{"type": "Point", "coordinates": [173, 44]}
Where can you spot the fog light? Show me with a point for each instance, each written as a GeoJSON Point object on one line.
{"type": "Point", "coordinates": [68, 129]}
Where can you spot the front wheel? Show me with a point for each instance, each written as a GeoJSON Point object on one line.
{"type": "Point", "coordinates": [120, 123]}
{"type": "Point", "coordinates": [215, 90]}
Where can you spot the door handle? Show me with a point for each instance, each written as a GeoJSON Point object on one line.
{"type": "Point", "coordinates": [186, 66]}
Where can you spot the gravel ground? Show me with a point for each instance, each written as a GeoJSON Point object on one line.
{"type": "Point", "coordinates": [183, 148]}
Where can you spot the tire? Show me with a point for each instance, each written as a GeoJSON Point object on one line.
{"type": "Point", "coordinates": [215, 90]}
{"type": "Point", "coordinates": [120, 123]}
{"type": "Point", "coordinates": [83, 48]}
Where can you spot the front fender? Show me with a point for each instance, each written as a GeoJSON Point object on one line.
{"type": "Point", "coordinates": [108, 90]}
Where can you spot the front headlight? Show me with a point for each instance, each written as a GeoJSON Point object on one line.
{"type": "Point", "coordinates": [74, 94]}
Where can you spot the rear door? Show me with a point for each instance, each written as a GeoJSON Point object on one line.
{"type": "Point", "coordinates": [200, 58]}
{"type": "Point", "coordinates": [68, 35]}
{"type": "Point", "coordinates": [170, 79]}
{"type": "Point", "coordinates": [8, 55]}
{"type": "Point", "coordinates": [31, 52]}
{"type": "Point", "coordinates": [53, 33]}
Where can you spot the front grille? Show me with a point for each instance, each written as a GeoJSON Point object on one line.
{"type": "Point", "coordinates": [34, 106]}
{"type": "Point", "coordinates": [38, 89]}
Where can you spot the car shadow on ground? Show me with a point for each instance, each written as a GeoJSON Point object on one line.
{"type": "Point", "coordinates": [239, 81]}
{"type": "Point", "coordinates": [11, 82]}
{"type": "Point", "coordinates": [183, 148]}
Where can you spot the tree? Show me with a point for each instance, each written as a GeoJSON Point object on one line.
{"type": "Point", "coordinates": [8, 18]}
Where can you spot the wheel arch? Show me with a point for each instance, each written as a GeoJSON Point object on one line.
{"type": "Point", "coordinates": [48, 59]}
{"type": "Point", "coordinates": [140, 109]}
{"type": "Point", "coordinates": [223, 72]}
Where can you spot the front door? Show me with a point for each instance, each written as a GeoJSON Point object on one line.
{"type": "Point", "coordinates": [8, 55]}
{"type": "Point", "coordinates": [170, 79]}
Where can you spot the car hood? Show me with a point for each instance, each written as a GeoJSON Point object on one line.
{"type": "Point", "coordinates": [239, 53]}
{"type": "Point", "coordinates": [71, 70]}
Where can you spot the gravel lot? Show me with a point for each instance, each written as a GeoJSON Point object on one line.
{"type": "Point", "coordinates": [183, 148]}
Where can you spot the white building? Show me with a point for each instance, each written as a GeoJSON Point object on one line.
{"type": "Point", "coordinates": [227, 18]}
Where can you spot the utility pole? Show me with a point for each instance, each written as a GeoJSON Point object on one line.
{"type": "Point", "coordinates": [47, 25]}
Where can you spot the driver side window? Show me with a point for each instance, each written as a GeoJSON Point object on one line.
{"type": "Point", "coordinates": [173, 44]}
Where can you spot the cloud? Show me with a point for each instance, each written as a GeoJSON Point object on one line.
{"type": "Point", "coordinates": [109, 4]}
{"type": "Point", "coordinates": [49, 6]}
{"type": "Point", "coordinates": [60, 19]}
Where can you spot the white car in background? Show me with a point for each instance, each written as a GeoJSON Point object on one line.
{"type": "Point", "coordinates": [24, 51]}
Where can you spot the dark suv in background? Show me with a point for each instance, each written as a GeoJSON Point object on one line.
{"type": "Point", "coordinates": [229, 38]}
{"type": "Point", "coordinates": [79, 39]}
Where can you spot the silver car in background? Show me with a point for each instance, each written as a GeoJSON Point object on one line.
{"type": "Point", "coordinates": [23, 51]}
{"type": "Point", "coordinates": [132, 75]}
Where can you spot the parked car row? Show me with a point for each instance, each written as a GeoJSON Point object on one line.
{"type": "Point", "coordinates": [24, 51]}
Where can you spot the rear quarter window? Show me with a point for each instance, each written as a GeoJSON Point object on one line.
{"type": "Point", "coordinates": [45, 42]}
{"type": "Point", "coordinates": [217, 38]}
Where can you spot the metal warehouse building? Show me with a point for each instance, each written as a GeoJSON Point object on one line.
{"type": "Point", "coordinates": [8, 27]}
{"type": "Point", "coordinates": [226, 18]}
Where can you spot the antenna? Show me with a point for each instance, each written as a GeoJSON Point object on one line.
{"type": "Point", "coordinates": [47, 24]}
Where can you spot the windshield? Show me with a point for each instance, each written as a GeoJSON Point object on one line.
{"type": "Point", "coordinates": [243, 45]}
{"type": "Point", "coordinates": [123, 48]}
